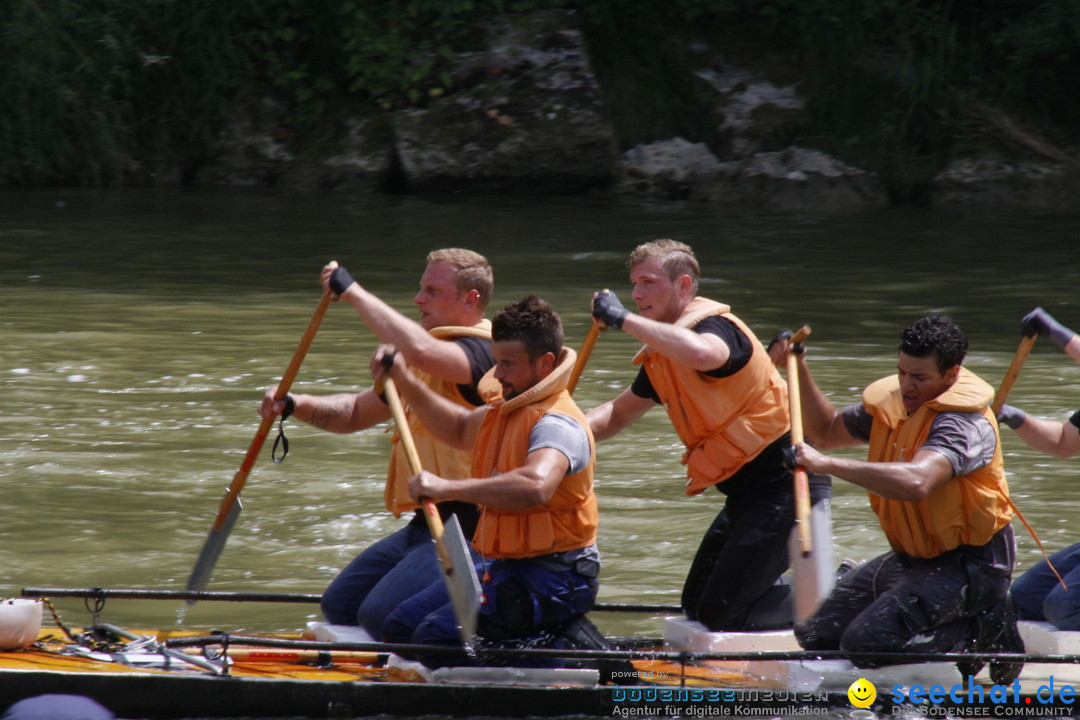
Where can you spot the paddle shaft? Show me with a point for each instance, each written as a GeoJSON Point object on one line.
{"type": "Point", "coordinates": [431, 513]}
{"type": "Point", "coordinates": [583, 356]}
{"type": "Point", "coordinates": [802, 482]}
{"type": "Point", "coordinates": [264, 427]}
{"type": "Point", "coordinates": [1013, 372]}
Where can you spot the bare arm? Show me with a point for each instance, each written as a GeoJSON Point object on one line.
{"type": "Point", "coordinates": [449, 422]}
{"type": "Point", "coordinates": [343, 413]}
{"type": "Point", "coordinates": [1073, 348]}
{"type": "Point", "coordinates": [913, 480]}
{"type": "Point", "coordinates": [700, 351]}
{"type": "Point", "coordinates": [528, 486]}
{"type": "Point", "coordinates": [443, 358]}
{"type": "Point", "coordinates": [614, 416]}
{"type": "Point", "coordinates": [822, 421]}
{"type": "Point", "coordinates": [1061, 440]}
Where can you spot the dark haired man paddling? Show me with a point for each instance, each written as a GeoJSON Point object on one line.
{"type": "Point", "coordinates": [936, 481]}
{"type": "Point", "coordinates": [532, 476]}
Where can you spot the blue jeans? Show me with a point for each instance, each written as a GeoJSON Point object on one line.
{"type": "Point", "coordinates": [521, 599]}
{"type": "Point", "coordinates": [382, 577]}
{"type": "Point", "coordinates": [1039, 596]}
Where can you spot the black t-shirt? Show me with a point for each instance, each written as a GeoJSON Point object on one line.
{"type": "Point", "coordinates": [481, 360]}
{"type": "Point", "coordinates": [726, 330]}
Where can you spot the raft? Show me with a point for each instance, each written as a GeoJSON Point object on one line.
{"type": "Point", "coordinates": [327, 671]}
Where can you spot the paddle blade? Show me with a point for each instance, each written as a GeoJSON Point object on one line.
{"type": "Point", "coordinates": [211, 551]}
{"type": "Point", "coordinates": [813, 575]}
{"type": "Point", "coordinates": [462, 583]}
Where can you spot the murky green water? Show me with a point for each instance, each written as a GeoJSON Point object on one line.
{"type": "Point", "coordinates": [139, 330]}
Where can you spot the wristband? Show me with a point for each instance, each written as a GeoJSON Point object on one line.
{"type": "Point", "coordinates": [340, 280]}
{"type": "Point", "coordinates": [290, 407]}
{"type": "Point", "coordinates": [1011, 416]}
{"type": "Point", "coordinates": [1075, 419]}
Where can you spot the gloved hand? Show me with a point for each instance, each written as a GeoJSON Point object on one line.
{"type": "Point", "coordinates": [1014, 417]}
{"type": "Point", "coordinates": [789, 460]}
{"type": "Point", "coordinates": [798, 348]}
{"type": "Point", "coordinates": [606, 307]}
{"type": "Point", "coordinates": [340, 280]}
{"type": "Point", "coordinates": [1040, 322]}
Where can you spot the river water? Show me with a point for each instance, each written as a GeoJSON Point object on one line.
{"type": "Point", "coordinates": [140, 328]}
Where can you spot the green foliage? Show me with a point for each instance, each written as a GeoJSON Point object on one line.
{"type": "Point", "coordinates": [87, 85]}
{"type": "Point", "coordinates": [644, 70]}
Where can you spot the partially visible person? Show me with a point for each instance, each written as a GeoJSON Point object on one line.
{"type": "Point", "coordinates": [532, 476]}
{"type": "Point", "coordinates": [729, 406]}
{"type": "Point", "coordinates": [57, 706]}
{"type": "Point", "coordinates": [449, 351]}
{"type": "Point", "coordinates": [1037, 593]}
{"type": "Point", "coordinates": [935, 478]}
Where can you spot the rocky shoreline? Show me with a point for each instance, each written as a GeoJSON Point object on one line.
{"type": "Point", "coordinates": [527, 117]}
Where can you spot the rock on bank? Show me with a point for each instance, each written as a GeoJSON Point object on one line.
{"type": "Point", "coordinates": [527, 116]}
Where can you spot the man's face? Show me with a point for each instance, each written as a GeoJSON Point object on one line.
{"type": "Point", "coordinates": [656, 296]}
{"type": "Point", "coordinates": [921, 381]}
{"type": "Point", "coordinates": [439, 301]}
{"type": "Point", "coordinates": [513, 368]}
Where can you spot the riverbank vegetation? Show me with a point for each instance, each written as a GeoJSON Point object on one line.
{"type": "Point", "coordinates": [893, 85]}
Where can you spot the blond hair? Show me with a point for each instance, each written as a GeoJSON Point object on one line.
{"type": "Point", "coordinates": [676, 258]}
{"type": "Point", "coordinates": [471, 270]}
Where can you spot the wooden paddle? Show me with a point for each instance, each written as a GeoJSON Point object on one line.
{"type": "Point", "coordinates": [1002, 393]}
{"type": "Point", "coordinates": [1013, 372]}
{"type": "Point", "coordinates": [230, 506]}
{"type": "Point", "coordinates": [462, 584]}
{"type": "Point", "coordinates": [802, 483]}
{"type": "Point", "coordinates": [583, 356]}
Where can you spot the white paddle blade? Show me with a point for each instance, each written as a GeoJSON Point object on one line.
{"type": "Point", "coordinates": [462, 583]}
{"type": "Point", "coordinates": [813, 574]}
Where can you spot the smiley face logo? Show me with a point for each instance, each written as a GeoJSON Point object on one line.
{"type": "Point", "coordinates": [862, 693]}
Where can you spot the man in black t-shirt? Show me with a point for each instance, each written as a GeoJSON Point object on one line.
{"type": "Point", "coordinates": [729, 406]}
{"type": "Point", "coordinates": [450, 350]}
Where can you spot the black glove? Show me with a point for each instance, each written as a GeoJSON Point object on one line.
{"type": "Point", "coordinates": [606, 307]}
{"type": "Point", "coordinates": [340, 280]}
{"type": "Point", "coordinates": [1040, 322]}
{"type": "Point", "coordinates": [790, 459]}
{"type": "Point", "coordinates": [1014, 417]}
{"type": "Point", "coordinates": [797, 348]}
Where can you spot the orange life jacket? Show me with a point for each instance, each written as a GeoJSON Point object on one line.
{"type": "Point", "coordinates": [724, 422]}
{"type": "Point", "coordinates": [569, 519]}
{"type": "Point", "coordinates": [436, 456]}
{"type": "Point", "coordinates": [965, 510]}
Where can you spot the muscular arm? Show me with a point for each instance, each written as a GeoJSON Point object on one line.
{"type": "Point", "coordinates": [442, 358]}
{"type": "Point", "coordinates": [700, 351]}
{"type": "Point", "coordinates": [913, 480]}
{"type": "Point", "coordinates": [822, 422]}
{"type": "Point", "coordinates": [1061, 440]}
{"type": "Point", "coordinates": [614, 416]}
{"type": "Point", "coordinates": [343, 413]}
{"type": "Point", "coordinates": [447, 421]}
{"type": "Point", "coordinates": [528, 486]}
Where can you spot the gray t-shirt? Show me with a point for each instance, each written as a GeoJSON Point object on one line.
{"type": "Point", "coordinates": [565, 434]}
{"type": "Point", "coordinates": [966, 439]}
